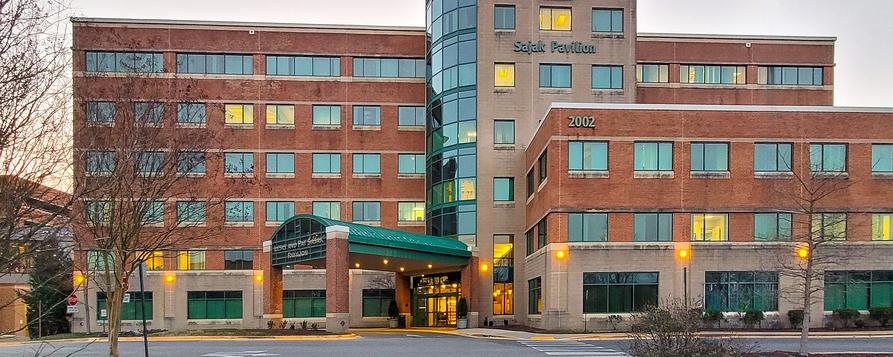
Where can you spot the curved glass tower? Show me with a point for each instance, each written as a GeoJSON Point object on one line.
{"type": "Point", "coordinates": [451, 105]}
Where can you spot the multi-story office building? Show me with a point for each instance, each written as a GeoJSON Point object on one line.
{"type": "Point", "coordinates": [566, 157]}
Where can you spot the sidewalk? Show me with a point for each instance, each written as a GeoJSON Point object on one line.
{"type": "Point", "coordinates": [524, 335]}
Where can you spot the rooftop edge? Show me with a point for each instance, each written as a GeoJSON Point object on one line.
{"type": "Point", "coordinates": [736, 37]}
{"type": "Point", "coordinates": [171, 22]}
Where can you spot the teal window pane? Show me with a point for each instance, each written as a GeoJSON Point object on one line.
{"type": "Point", "coordinates": [239, 211]}
{"type": "Point", "coordinates": [504, 132]}
{"type": "Point", "coordinates": [279, 211]}
{"type": "Point", "coordinates": [882, 158]}
{"type": "Point", "coordinates": [503, 189]}
{"type": "Point", "coordinates": [881, 294]}
{"type": "Point", "coordinates": [588, 227]}
{"type": "Point", "coordinates": [504, 17]}
{"type": "Point", "coordinates": [709, 157]}
{"type": "Point", "coordinates": [653, 156]}
{"type": "Point", "coordinates": [857, 296]}
{"type": "Point", "coordinates": [653, 227]}
{"type": "Point", "coordinates": [278, 163]}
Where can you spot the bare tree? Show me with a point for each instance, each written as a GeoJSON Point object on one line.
{"type": "Point", "coordinates": [139, 168]}
{"type": "Point", "coordinates": [34, 136]}
{"type": "Point", "coordinates": [818, 235]}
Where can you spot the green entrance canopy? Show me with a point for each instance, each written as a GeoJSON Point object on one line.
{"type": "Point", "coordinates": [302, 240]}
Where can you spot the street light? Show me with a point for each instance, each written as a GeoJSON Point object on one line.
{"type": "Point", "coordinates": [683, 253]}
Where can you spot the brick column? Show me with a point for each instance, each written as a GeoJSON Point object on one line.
{"type": "Point", "coordinates": [337, 280]}
{"type": "Point", "coordinates": [272, 286]}
{"type": "Point", "coordinates": [403, 291]}
{"type": "Point", "coordinates": [470, 284]}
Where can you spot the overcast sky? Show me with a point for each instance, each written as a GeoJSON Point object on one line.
{"type": "Point", "coordinates": [863, 27]}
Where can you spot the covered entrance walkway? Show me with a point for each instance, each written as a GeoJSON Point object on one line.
{"type": "Point", "coordinates": [431, 273]}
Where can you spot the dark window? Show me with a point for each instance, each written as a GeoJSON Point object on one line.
{"type": "Point", "coordinates": [709, 157]}
{"type": "Point", "coordinates": [827, 157]}
{"type": "Point", "coordinates": [503, 189]}
{"type": "Point", "coordinates": [772, 226]}
{"type": "Point", "coordinates": [619, 292]}
{"type": "Point", "coordinates": [100, 112]}
{"type": "Point", "coordinates": [788, 75]}
{"type": "Point", "coordinates": [860, 290]}
{"type": "Point", "coordinates": [411, 116]}
{"type": "Point", "coordinates": [587, 227]}
{"type": "Point", "coordinates": [200, 63]}
{"type": "Point", "coordinates": [213, 305]}
{"type": "Point", "coordinates": [504, 17]}
{"type": "Point", "coordinates": [772, 157]}
{"type": "Point", "coordinates": [367, 211]}
{"type": "Point", "coordinates": [653, 156]}
{"type": "Point", "coordinates": [376, 301]}
{"type": "Point", "coordinates": [303, 66]}
{"type": "Point", "coordinates": [882, 158]}
{"type": "Point", "coordinates": [124, 62]}
{"type": "Point", "coordinates": [607, 20]}
{"type": "Point", "coordinates": [531, 242]}
{"type": "Point", "coordinates": [100, 162]}
{"type": "Point", "coordinates": [587, 156]}
{"type": "Point", "coordinates": [531, 183]}
{"type": "Point", "coordinates": [129, 310]}
{"type": "Point", "coordinates": [535, 296]}
{"type": "Point", "coordinates": [389, 67]}
{"type": "Point", "coordinates": [148, 113]}
{"type": "Point", "coordinates": [543, 167]}
{"type": "Point", "coordinates": [303, 303]}
{"type": "Point", "coordinates": [541, 233]}
{"type": "Point", "coordinates": [607, 77]}
{"type": "Point", "coordinates": [191, 113]}
{"type": "Point", "coordinates": [653, 227]}
{"type": "Point", "coordinates": [555, 75]}
{"type": "Point", "coordinates": [741, 291]}
{"type": "Point", "coordinates": [238, 260]}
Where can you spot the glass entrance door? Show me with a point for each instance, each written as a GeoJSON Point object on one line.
{"type": "Point", "coordinates": [434, 302]}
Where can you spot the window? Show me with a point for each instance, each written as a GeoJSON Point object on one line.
{"type": "Point", "coordinates": [542, 166]}
{"type": "Point", "coordinates": [100, 162]}
{"type": "Point", "coordinates": [330, 210]}
{"type": "Point", "coordinates": [555, 76]}
{"type": "Point", "coordinates": [829, 226]}
{"type": "Point", "coordinates": [504, 17]}
{"type": "Point", "coordinates": [772, 226]}
{"type": "Point", "coordinates": [411, 116]}
{"type": "Point", "coordinates": [531, 243]}
{"type": "Point", "coordinates": [709, 227]}
{"type": "Point", "coordinates": [192, 113]}
{"type": "Point", "coordinates": [367, 115]}
{"type": "Point", "coordinates": [124, 62]}
{"type": "Point", "coordinates": [653, 73]}
{"type": "Point", "coordinates": [303, 66]}
{"type": "Point", "coordinates": [793, 76]}
{"type": "Point", "coordinates": [239, 212]}
{"type": "Point", "coordinates": [148, 113]}
{"type": "Point", "coordinates": [376, 302]}
{"type": "Point", "coordinates": [535, 296]}
{"type": "Point", "coordinates": [505, 75]}
{"type": "Point", "coordinates": [303, 303]}
{"type": "Point", "coordinates": [607, 20]}
{"type": "Point", "coordinates": [327, 115]}
{"type": "Point", "coordinates": [96, 261]}
{"type": "Point", "coordinates": [279, 211]}
{"type": "Point", "coordinates": [153, 261]}
{"type": "Point", "coordinates": [191, 162]}
{"type": "Point", "coordinates": [619, 292]}
{"type": "Point", "coordinates": [607, 77]}
{"type": "Point", "coordinates": [100, 112]}
{"type": "Point", "coordinates": [238, 163]}
{"type": "Point", "coordinates": [503, 258]}
{"type": "Point", "coordinates": [709, 156]}
{"type": "Point", "coordinates": [190, 212]}
{"type": "Point", "coordinates": [238, 259]}
{"type": "Point", "coordinates": [239, 114]}
{"type": "Point", "coordinates": [367, 211]}
{"type": "Point", "coordinates": [280, 163]}
{"type": "Point", "coordinates": [653, 156]}
{"type": "Point", "coordinates": [280, 114]}
{"type": "Point", "coordinates": [587, 156]}
{"type": "Point", "coordinates": [150, 162]}
{"type": "Point", "coordinates": [735, 291]}
{"type": "Point", "coordinates": [411, 164]}
{"type": "Point", "coordinates": [882, 158]}
{"type": "Point", "coordinates": [98, 212]}
{"type": "Point", "coordinates": [131, 310]}
{"type": "Point", "coordinates": [199, 63]}
{"type": "Point", "coordinates": [503, 298]}
{"type": "Point", "coordinates": [827, 157]}
{"type": "Point", "coordinates": [411, 211]}
{"type": "Point", "coordinates": [587, 227]}
{"type": "Point", "coordinates": [880, 226]}
{"type": "Point", "coordinates": [367, 164]}
{"type": "Point", "coordinates": [467, 189]}
{"type": "Point", "coordinates": [541, 234]}
{"type": "Point", "coordinates": [191, 260]}
{"type": "Point", "coordinates": [327, 163]}
{"type": "Point", "coordinates": [653, 227]}
{"type": "Point", "coordinates": [154, 214]}
{"type": "Point", "coordinates": [860, 290]}
{"type": "Point", "coordinates": [213, 305]}
{"type": "Point", "coordinates": [772, 157]}
{"type": "Point", "coordinates": [503, 189]}
{"type": "Point", "coordinates": [504, 132]}
{"type": "Point", "coordinates": [555, 18]}
{"type": "Point", "coordinates": [389, 67]}
{"type": "Point", "coordinates": [701, 74]}
{"type": "Point", "coordinates": [531, 183]}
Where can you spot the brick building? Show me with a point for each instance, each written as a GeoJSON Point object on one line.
{"type": "Point", "coordinates": [571, 156]}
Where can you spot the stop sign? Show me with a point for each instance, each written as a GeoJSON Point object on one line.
{"type": "Point", "coordinates": [72, 300]}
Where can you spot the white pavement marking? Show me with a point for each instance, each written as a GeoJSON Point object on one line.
{"type": "Point", "coordinates": [571, 348]}
{"type": "Point", "coordinates": [240, 354]}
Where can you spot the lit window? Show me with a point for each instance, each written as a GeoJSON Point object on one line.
{"type": "Point", "coordinates": [279, 211]}
{"type": "Point", "coordinates": [411, 211]}
{"type": "Point", "coordinates": [152, 260]}
{"type": "Point", "coordinates": [827, 157]}
{"type": "Point", "coordinates": [505, 75]}
{"type": "Point", "coordinates": [880, 226]}
{"type": "Point", "coordinates": [280, 114]}
{"type": "Point", "coordinates": [772, 157]}
{"type": "Point", "coordinates": [330, 210]}
{"type": "Point", "coordinates": [709, 157]}
{"type": "Point", "coordinates": [239, 114]}
{"type": "Point", "coordinates": [607, 20]}
{"type": "Point", "coordinates": [653, 73]}
{"type": "Point", "coordinates": [701, 74]}
{"type": "Point", "coordinates": [555, 18]}
{"type": "Point", "coordinates": [327, 115]}
{"type": "Point", "coordinates": [607, 77]}
{"type": "Point", "coordinates": [503, 189]}
{"type": "Point", "coordinates": [829, 226]}
{"type": "Point", "coordinates": [191, 260]}
{"type": "Point", "coordinates": [709, 227]}
{"type": "Point", "coordinates": [467, 189]}
{"type": "Point", "coordinates": [772, 226]}
{"type": "Point", "coordinates": [653, 156]}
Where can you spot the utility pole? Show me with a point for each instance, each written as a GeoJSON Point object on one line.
{"type": "Point", "coordinates": [143, 313]}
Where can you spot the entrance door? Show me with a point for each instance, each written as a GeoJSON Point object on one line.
{"type": "Point", "coordinates": [434, 302]}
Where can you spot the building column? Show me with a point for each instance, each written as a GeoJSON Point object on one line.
{"type": "Point", "coordinates": [403, 291]}
{"type": "Point", "coordinates": [272, 286]}
{"type": "Point", "coordinates": [555, 289]}
{"type": "Point", "coordinates": [337, 279]}
{"type": "Point", "coordinates": [470, 283]}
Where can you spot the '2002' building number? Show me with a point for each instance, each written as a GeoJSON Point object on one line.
{"type": "Point", "coordinates": [580, 122]}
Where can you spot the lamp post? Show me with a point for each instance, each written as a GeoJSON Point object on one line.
{"type": "Point", "coordinates": [143, 312]}
{"type": "Point", "coordinates": [684, 254]}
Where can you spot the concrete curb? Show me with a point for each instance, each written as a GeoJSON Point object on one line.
{"type": "Point", "coordinates": [193, 338]}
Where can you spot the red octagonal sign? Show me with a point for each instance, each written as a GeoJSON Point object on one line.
{"type": "Point", "coordinates": [72, 300]}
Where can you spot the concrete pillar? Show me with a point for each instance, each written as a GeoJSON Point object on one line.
{"type": "Point", "coordinates": [554, 289]}
{"type": "Point", "coordinates": [470, 282]}
{"type": "Point", "coordinates": [337, 280]}
{"type": "Point", "coordinates": [272, 287]}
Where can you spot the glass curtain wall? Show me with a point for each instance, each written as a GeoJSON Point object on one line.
{"type": "Point", "coordinates": [452, 119]}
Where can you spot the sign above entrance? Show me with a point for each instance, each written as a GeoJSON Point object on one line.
{"type": "Point", "coordinates": [575, 47]}
{"type": "Point", "coordinates": [300, 240]}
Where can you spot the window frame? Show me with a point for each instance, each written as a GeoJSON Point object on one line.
{"type": "Point", "coordinates": [611, 68]}
{"type": "Point", "coordinates": [551, 21]}
{"type": "Point", "coordinates": [277, 207]}
{"type": "Point", "coordinates": [581, 218]}
{"type": "Point", "coordinates": [510, 181]}
{"type": "Point", "coordinates": [547, 75]}
{"type": "Point", "coordinates": [238, 264]}
{"type": "Point", "coordinates": [362, 168]}
{"type": "Point", "coordinates": [778, 159]}
{"type": "Point", "coordinates": [822, 169]}
{"type": "Point", "coordinates": [509, 80]}
{"type": "Point", "coordinates": [658, 145]}
{"type": "Point", "coordinates": [663, 72]}
{"type": "Point", "coordinates": [874, 153]}
{"type": "Point", "coordinates": [703, 231]}
{"type": "Point", "coordinates": [779, 236]}
{"type": "Point", "coordinates": [704, 145]}
{"type": "Point", "coordinates": [657, 229]}
{"type": "Point", "coordinates": [497, 13]}
{"type": "Point", "coordinates": [593, 145]}
{"type": "Point", "coordinates": [612, 12]}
